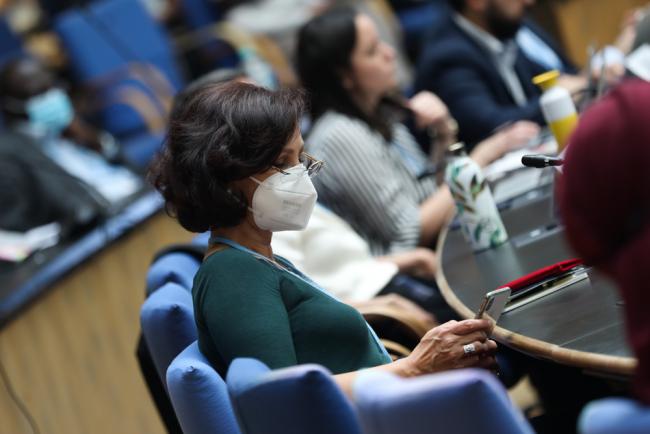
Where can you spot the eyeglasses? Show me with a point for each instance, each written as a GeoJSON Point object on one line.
{"type": "Point", "coordinates": [312, 165]}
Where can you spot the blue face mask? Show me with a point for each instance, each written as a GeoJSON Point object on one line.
{"type": "Point", "coordinates": [50, 111]}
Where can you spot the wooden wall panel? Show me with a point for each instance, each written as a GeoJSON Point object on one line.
{"type": "Point", "coordinates": [582, 22]}
{"type": "Point", "coordinates": [70, 356]}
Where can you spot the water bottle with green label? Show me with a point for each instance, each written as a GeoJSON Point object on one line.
{"type": "Point", "coordinates": [476, 210]}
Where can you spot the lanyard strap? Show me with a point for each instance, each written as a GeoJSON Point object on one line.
{"type": "Point", "coordinates": [286, 265]}
{"type": "Point", "coordinates": [294, 272]}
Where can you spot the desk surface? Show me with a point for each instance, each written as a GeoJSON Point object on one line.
{"type": "Point", "coordinates": [21, 284]}
{"type": "Point", "coordinates": [581, 325]}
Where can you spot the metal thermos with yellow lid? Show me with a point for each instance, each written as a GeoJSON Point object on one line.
{"type": "Point", "coordinates": [557, 106]}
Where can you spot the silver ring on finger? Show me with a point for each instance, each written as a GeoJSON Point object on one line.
{"type": "Point", "coordinates": [469, 349]}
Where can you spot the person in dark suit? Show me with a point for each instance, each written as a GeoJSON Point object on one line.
{"type": "Point", "coordinates": [476, 65]}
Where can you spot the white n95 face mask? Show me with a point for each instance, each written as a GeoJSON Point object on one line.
{"type": "Point", "coordinates": [284, 202]}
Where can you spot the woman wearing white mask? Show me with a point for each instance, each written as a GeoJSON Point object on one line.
{"type": "Point", "coordinates": [234, 163]}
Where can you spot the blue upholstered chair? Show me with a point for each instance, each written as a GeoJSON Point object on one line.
{"type": "Point", "coordinates": [199, 13]}
{"type": "Point", "coordinates": [297, 400]}
{"type": "Point", "coordinates": [178, 263]}
{"type": "Point", "coordinates": [207, 50]}
{"type": "Point", "coordinates": [176, 267]}
{"type": "Point", "coordinates": [459, 402]}
{"type": "Point", "coordinates": [172, 271]}
{"type": "Point", "coordinates": [199, 395]}
{"type": "Point", "coordinates": [108, 34]}
{"type": "Point", "coordinates": [202, 239]}
{"type": "Point", "coordinates": [117, 50]}
{"type": "Point", "coordinates": [167, 320]}
{"type": "Point", "coordinates": [10, 44]}
{"type": "Point", "coordinates": [139, 148]}
{"type": "Point", "coordinates": [615, 416]}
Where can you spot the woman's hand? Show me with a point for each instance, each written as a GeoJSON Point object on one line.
{"type": "Point", "coordinates": [429, 110]}
{"type": "Point", "coordinates": [625, 39]}
{"type": "Point", "coordinates": [419, 262]}
{"type": "Point", "coordinates": [575, 84]}
{"type": "Point", "coordinates": [508, 139]}
{"type": "Point", "coordinates": [442, 348]}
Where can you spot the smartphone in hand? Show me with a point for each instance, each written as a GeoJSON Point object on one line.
{"type": "Point", "coordinates": [493, 304]}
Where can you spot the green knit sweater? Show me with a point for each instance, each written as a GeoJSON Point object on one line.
{"type": "Point", "coordinates": [248, 307]}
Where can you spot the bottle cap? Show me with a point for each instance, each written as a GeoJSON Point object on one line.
{"type": "Point", "coordinates": [547, 80]}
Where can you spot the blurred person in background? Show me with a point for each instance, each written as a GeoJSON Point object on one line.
{"type": "Point", "coordinates": [379, 181]}
{"type": "Point", "coordinates": [281, 19]}
{"type": "Point", "coordinates": [56, 163]}
{"type": "Point", "coordinates": [476, 65]}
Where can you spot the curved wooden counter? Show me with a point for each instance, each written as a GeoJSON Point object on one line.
{"type": "Point", "coordinates": [581, 325]}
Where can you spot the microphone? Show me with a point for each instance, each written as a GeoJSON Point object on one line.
{"type": "Point", "coordinates": [540, 161]}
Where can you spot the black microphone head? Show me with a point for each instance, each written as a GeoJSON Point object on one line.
{"type": "Point", "coordinates": [540, 161]}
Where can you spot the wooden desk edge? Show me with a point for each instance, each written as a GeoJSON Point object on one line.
{"type": "Point", "coordinates": [535, 347]}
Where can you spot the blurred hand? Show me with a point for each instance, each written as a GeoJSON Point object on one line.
{"type": "Point", "coordinates": [419, 262]}
{"type": "Point", "coordinates": [612, 73]}
{"type": "Point", "coordinates": [517, 135]}
{"type": "Point", "coordinates": [441, 348]}
{"type": "Point", "coordinates": [509, 138]}
{"type": "Point", "coordinates": [625, 39]}
{"type": "Point", "coordinates": [429, 110]}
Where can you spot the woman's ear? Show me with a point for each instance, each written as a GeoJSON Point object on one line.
{"type": "Point", "coordinates": [243, 189]}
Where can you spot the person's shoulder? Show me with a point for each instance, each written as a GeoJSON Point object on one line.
{"type": "Point", "coordinates": [448, 44]}
{"type": "Point", "coordinates": [24, 151]}
{"type": "Point", "coordinates": [229, 258]}
{"type": "Point", "coordinates": [14, 141]}
{"type": "Point", "coordinates": [334, 130]}
{"type": "Point", "coordinates": [450, 50]}
{"type": "Point", "coordinates": [231, 265]}
{"type": "Point", "coordinates": [334, 121]}
{"type": "Point", "coordinates": [447, 34]}
{"type": "Point", "coordinates": [232, 276]}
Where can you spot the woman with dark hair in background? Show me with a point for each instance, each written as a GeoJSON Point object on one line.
{"type": "Point", "coordinates": [234, 164]}
{"type": "Point", "coordinates": [379, 179]}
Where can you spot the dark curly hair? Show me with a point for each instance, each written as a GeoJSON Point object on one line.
{"type": "Point", "coordinates": [220, 133]}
